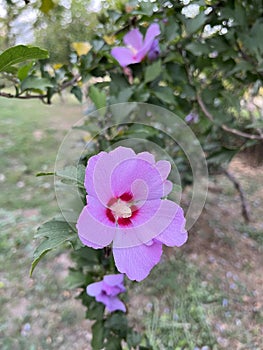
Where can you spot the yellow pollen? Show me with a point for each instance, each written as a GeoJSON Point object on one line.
{"type": "Point", "coordinates": [121, 209]}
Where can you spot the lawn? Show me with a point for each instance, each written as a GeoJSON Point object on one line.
{"type": "Point", "coordinates": [207, 295]}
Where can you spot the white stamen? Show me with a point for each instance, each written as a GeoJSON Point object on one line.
{"type": "Point", "coordinates": [121, 209]}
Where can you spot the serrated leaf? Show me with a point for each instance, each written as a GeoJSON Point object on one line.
{"type": "Point", "coordinates": [73, 174]}
{"type": "Point", "coordinates": [98, 97]}
{"type": "Point", "coordinates": [21, 53]}
{"type": "Point", "coordinates": [153, 71]}
{"type": "Point", "coordinates": [55, 233]}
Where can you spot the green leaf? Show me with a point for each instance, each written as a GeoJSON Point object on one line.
{"type": "Point", "coordinates": [153, 71]}
{"type": "Point", "coordinates": [165, 94]}
{"type": "Point", "coordinates": [11, 70]}
{"type": "Point", "coordinates": [117, 84]}
{"type": "Point", "coordinates": [223, 156]}
{"type": "Point", "coordinates": [77, 92]}
{"type": "Point", "coordinates": [117, 322]}
{"type": "Point", "coordinates": [171, 31]}
{"type": "Point", "coordinates": [123, 96]}
{"type": "Point", "coordinates": [197, 48]}
{"type": "Point", "coordinates": [133, 339]}
{"type": "Point", "coordinates": [141, 94]}
{"type": "Point", "coordinates": [146, 8]}
{"type": "Point", "coordinates": [23, 71]}
{"type": "Point", "coordinates": [73, 174]}
{"type": "Point", "coordinates": [35, 83]}
{"type": "Point", "coordinates": [95, 311]}
{"type": "Point", "coordinates": [97, 335]}
{"type": "Point", "coordinates": [193, 24]}
{"type": "Point", "coordinates": [21, 53]}
{"type": "Point", "coordinates": [46, 6]}
{"type": "Point", "coordinates": [98, 97]}
{"type": "Point", "coordinates": [55, 233]}
{"type": "Point", "coordinates": [75, 279]}
{"type": "Point", "coordinates": [113, 343]}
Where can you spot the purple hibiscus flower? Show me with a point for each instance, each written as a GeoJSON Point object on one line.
{"type": "Point", "coordinates": [192, 117]}
{"type": "Point", "coordinates": [106, 292]}
{"type": "Point", "coordinates": [126, 205]}
{"type": "Point", "coordinates": [136, 48]}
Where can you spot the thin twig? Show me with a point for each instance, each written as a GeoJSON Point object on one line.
{"type": "Point", "coordinates": [24, 97]}
{"type": "Point", "coordinates": [210, 116]}
{"type": "Point", "coordinates": [60, 88]}
{"type": "Point", "coordinates": [245, 210]}
{"type": "Point", "coordinates": [223, 126]}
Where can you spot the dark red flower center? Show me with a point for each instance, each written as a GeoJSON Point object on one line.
{"type": "Point", "coordinates": [121, 210]}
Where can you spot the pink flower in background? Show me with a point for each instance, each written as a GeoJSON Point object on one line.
{"type": "Point", "coordinates": [126, 206]}
{"type": "Point", "coordinates": [106, 292]}
{"type": "Point", "coordinates": [136, 48]}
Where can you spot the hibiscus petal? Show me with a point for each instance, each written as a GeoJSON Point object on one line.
{"type": "Point", "coordinates": [137, 262]}
{"type": "Point", "coordinates": [175, 234]}
{"type": "Point", "coordinates": [94, 289]}
{"type": "Point", "coordinates": [134, 39]}
{"type": "Point", "coordinates": [146, 156]}
{"type": "Point", "coordinates": [98, 211]}
{"type": "Point", "coordinates": [114, 280]}
{"type": "Point", "coordinates": [164, 168]}
{"type": "Point", "coordinates": [115, 304]}
{"type": "Point", "coordinates": [168, 186]}
{"type": "Point", "coordinates": [151, 220]}
{"type": "Point", "coordinates": [154, 51]}
{"type": "Point", "coordinates": [112, 290]}
{"type": "Point", "coordinates": [152, 32]}
{"type": "Point", "coordinates": [103, 169]}
{"type": "Point", "coordinates": [133, 170]}
{"type": "Point", "coordinates": [92, 232]}
{"type": "Point", "coordinates": [88, 183]}
{"type": "Point", "coordinates": [124, 56]}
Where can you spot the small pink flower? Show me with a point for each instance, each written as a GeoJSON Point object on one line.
{"type": "Point", "coordinates": [125, 205]}
{"type": "Point", "coordinates": [136, 48]}
{"type": "Point", "coordinates": [106, 292]}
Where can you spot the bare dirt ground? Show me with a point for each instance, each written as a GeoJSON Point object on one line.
{"type": "Point", "coordinates": [223, 248]}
